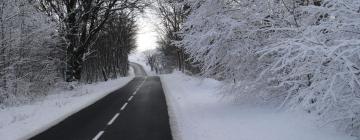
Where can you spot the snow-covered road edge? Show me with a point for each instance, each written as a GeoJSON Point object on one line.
{"type": "Point", "coordinates": [197, 113]}
{"type": "Point", "coordinates": [138, 57]}
{"type": "Point", "coordinates": [172, 111]}
{"type": "Point", "coordinates": [42, 115]}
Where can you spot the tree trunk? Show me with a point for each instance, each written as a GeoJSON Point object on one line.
{"type": "Point", "coordinates": [71, 36]}
{"type": "Point", "coordinates": [179, 60]}
{"type": "Point", "coordinates": [2, 38]}
{"type": "Point", "coordinates": [104, 74]}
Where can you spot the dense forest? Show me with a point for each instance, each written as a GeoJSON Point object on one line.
{"type": "Point", "coordinates": [291, 54]}
{"type": "Point", "coordinates": [46, 43]}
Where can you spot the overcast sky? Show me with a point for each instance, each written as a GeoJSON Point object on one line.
{"type": "Point", "coordinates": [147, 34]}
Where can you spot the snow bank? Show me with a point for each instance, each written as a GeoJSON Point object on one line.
{"type": "Point", "coordinates": [131, 72]}
{"type": "Point", "coordinates": [139, 57]}
{"type": "Point", "coordinates": [23, 122]}
{"type": "Point", "coordinates": [196, 113]}
{"type": "Point", "coordinates": [304, 59]}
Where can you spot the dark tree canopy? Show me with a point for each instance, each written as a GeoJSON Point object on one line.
{"type": "Point", "coordinates": [81, 22]}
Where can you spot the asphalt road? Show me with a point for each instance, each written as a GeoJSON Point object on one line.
{"type": "Point", "coordinates": [138, 69]}
{"type": "Point", "coordinates": [137, 111]}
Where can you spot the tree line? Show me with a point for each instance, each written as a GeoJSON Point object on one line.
{"type": "Point", "coordinates": [292, 54]}
{"type": "Point", "coordinates": [45, 43]}
{"type": "Point", "coordinates": [170, 53]}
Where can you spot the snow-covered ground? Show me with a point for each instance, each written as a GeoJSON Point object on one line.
{"type": "Point", "coordinates": [196, 113]}
{"type": "Point", "coordinates": [139, 57]}
{"type": "Point", "coordinates": [131, 72]}
{"type": "Point", "coordinates": [22, 122]}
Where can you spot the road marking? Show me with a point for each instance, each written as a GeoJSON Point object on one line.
{"type": "Point", "coordinates": [123, 107]}
{"type": "Point", "coordinates": [113, 119]}
{"type": "Point", "coordinates": [138, 88]}
{"type": "Point", "coordinates": [130, 98]}
{"type": "Point", "coordinates": [98, 135]}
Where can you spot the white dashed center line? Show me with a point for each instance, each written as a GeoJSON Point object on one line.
{"type": "Point", "coordinates": [130, 98]}
{"type": "Point", "coordinates": [123, 107]}
{"type": "Point", "coordinates": [135, 91]}
{"type": "Point", "coordinates": [138, 88]}
{"type": "Point", "coordinates": [98, 135]}
{"type": "Point", "coordinates": [113, 119]}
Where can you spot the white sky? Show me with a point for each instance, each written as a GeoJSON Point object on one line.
{"type": "Point", "coordinates": [147, 34]}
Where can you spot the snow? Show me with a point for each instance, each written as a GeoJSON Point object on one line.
{"type": "Point", "coordinates": [306, 59]}
{"type": "Point", "coordinates": [139, 57]}
{"type": "Point", "coordinates": [131, 72]}
{"type": "Point", "coordinates": [23, 122]}
{"type": "Point", "coordinates": [197, 113]}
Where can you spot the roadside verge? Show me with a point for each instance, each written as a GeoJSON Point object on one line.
{"type": "Point", "coordinates": [25, 121]}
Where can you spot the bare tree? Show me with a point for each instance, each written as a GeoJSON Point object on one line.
{"type": "Point", "coordinates": [29, 57]}
{"type": "Point", "coordinates": [173, 14]}
{"type": "Point", "coordinates": [81, 21]}
{"type": "Point", "coordinates": [109, 57]}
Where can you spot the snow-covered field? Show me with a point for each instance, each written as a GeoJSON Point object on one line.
{"type": "Point", "coordinates": [22, 122]}
{"type": "Point", "coordinates": [197, 113]}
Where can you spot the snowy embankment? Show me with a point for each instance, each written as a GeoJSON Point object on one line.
{"type": "Point", "coordinates": [25, 121]}
{"type": "Point", "coordinates": [138, 57]}
{"type": "Point", "coordinates": [196, 113]}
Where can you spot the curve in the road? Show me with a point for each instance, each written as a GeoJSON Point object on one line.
{"type": "Point", "coordinates": [138, 69]}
